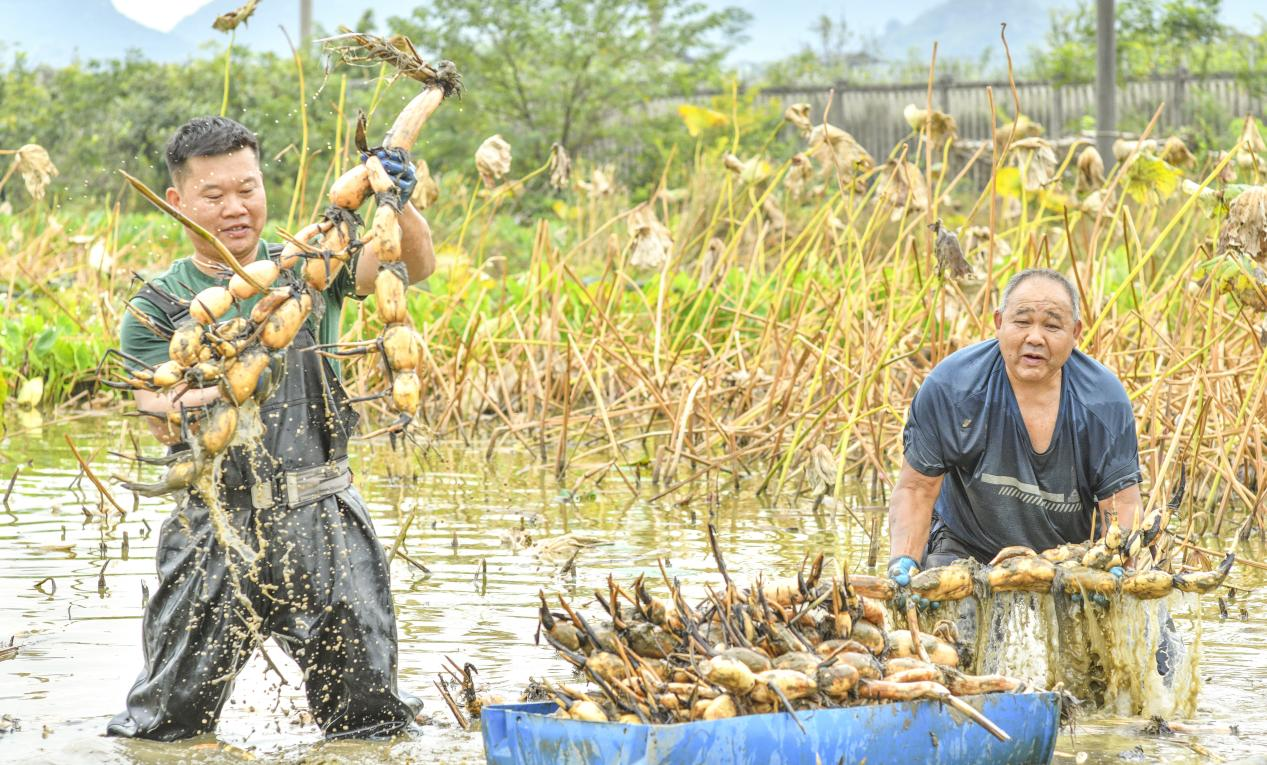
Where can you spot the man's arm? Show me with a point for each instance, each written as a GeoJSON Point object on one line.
{"type": "Point", "coordinates": [1126, 504]}
{"type": "Point", "coordinates": [911, 511]}
{"type": "Point", "coordinates": [416, 252]}
{"type": "Point", "coordinates": [161, 404]}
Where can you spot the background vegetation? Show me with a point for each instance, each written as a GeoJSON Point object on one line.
{"type": "Point", "coordinates": [577, 72]}
{"type": "Point", "coordinates": [711, 290]}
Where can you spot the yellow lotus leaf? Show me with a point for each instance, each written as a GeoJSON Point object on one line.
{"type": "Point", "coordinates": [31, 392]}
{"type": "Point", "coordinates": [1007, 182]}
{"type": "Point", "coordinates": [1148, 176]}
{"type": "Point", "coordinates": [1057, 201]}
{"type": "Point", "coordinates": [455, 262]}
{"type": "Point", "coordinates": [700, 118]}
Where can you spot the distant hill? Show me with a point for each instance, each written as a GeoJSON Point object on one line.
{"type": "Point", "coordinates": [968, 29]}
{"type": "Point", "coordinates": [59, 31]}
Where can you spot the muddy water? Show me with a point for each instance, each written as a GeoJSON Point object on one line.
{"type": "Point", "coordinates": [81, 644]}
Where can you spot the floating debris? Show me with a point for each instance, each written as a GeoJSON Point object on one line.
{"type": "Point", "coordinates": [562, 548]}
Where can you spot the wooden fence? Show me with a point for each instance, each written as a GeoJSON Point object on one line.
{"type": "Point", "coordinates": [873, 113]}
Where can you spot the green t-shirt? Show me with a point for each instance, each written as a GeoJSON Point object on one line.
{"type": "Point", "coordinates": [183, 280]}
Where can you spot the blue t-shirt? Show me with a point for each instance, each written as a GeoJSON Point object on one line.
{"type": "Point", "coordinates": [965, 424]}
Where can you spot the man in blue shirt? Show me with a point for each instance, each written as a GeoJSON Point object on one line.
{"type": "Point", "coordinates": [1014, 441]}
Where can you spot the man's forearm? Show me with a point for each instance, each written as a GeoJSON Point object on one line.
{"type": "Point", "coordinates": [156, 407]}
{"type": "Point", "coordinates": [416, 248]}
{"type": "Point", "coordinates": [416, 252]}
{"type": "Point", "coordinates": [911, 511]}
{"type": "Point", "coordinates": [908, 524]}
{"type": "Point", "coordinates": [1125, 505]}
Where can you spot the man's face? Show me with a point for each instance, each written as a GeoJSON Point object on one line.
{"type": "Point", "coordinates": [1036, 330]}
{"type": "Point", "coordinates": [225, 195]}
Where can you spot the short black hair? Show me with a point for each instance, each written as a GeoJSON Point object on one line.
{"type": "Point", "coordinates": [207, 137]}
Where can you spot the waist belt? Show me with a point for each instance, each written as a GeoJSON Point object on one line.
{"type": "Point", "coordinates": [300, 487]}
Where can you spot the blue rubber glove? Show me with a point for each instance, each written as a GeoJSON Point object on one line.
{"type": "Point", "coordinates": [398, 165]}
{"type": "Point", "coordinates": [901, 569]}
{"type": "Point", "coordinates": [1118, 571]}
{"type": "Point", "coordinates": [921, 603]}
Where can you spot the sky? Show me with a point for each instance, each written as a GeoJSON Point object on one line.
{"type": "Point", "coordinates": [173, 30]}
{"type": "Point", "coordinates": [779, 27]}
{"type": "Point", "coordinates": [161, 15]}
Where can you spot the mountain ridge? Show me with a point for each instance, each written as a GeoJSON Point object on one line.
{"type": "Point", "coordinates": [67, 30]}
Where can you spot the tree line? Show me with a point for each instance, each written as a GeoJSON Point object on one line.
{"type": "Point", "coordinates": [572, 72]}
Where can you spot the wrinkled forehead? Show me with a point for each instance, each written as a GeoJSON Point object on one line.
{"type": "Point", "coordinates": [1039, 296]}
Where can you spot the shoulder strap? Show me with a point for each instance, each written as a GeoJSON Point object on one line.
{"type": "Point", "coordinates": [176, 311]}
{"type": "Point", "coordinates": [172, 310]}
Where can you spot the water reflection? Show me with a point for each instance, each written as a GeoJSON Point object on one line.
{"type": "Point", "coordinates": [81, 650]}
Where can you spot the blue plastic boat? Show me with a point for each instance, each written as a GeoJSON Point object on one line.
{"type": "Point", "coordinates": [877, 734]}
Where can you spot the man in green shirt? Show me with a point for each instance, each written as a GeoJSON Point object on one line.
{"type": "Point", "coordinates": [319, 582]}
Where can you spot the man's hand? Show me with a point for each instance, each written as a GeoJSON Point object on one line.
{"type": "Point", "coordinates": [902, 568]}
{"type": "Point", "coordinates": [416, 250]}
{"type": "Point", "coordinates": [157, 405]}
{"type": "Point", "coordinates": [401, 169]}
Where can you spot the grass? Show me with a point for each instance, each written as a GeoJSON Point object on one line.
{"type": "Point", "coordinates": [778, 321]}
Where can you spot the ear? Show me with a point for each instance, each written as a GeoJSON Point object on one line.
{"type": "Point", "coordinates": [1077, 331]}
{"type": "Point", "coordinates": [998, 315]}
{"type": "Point", "coordinates": [173, 196]}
